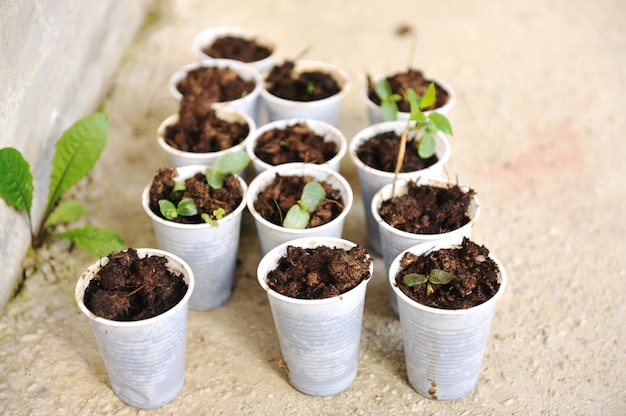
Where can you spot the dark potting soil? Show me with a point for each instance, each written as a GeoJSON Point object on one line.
{"type": "Point", "coordinates": [306, 86]}
{"type": "Point", "coordinates": [213, 84]}
{"type": "Point", "coordinates": [237, 48]}
{"type": "Point", "coordinates": [200, 130]}
{"type": "Point", "coordinates": [206, 199]}
{"type": "Point", "coordinates": [427, 209]}
{"type": "Point", "coordinates": [320, 272]}
{"type": "Point", "coordinates": [283, 193]}
{"type": "Point", "coordinates": [400, 84]}
{"type": "Point", "coordinates": [475, 281]}
{"type": "Point", "coordinates": [294, 143]}
{"type": "Point", "coordinates": [381, 151]}
{"type": "Point", "coordinates": [129, 288]}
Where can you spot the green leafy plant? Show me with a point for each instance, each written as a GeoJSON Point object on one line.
{"type": "Point", "coordinates": [434, 277]}
{"type": "Point", "coordinates": [228, 163]}
{"type": "Point", "coordinates": [424, 125]}
{"type": "Point", "coordinates": [298, 215]}
{"type": "Point", "coordinates": [76, 153]}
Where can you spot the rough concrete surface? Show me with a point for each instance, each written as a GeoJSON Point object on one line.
{"type": "Point", "coordinates": [540, 88]}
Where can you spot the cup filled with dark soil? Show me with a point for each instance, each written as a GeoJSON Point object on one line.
{"type": "Point", "coordinates": [219, 81]}
{"type": "Point", "coordinates": [136, 301]}
{"type": "Point", "coordinates": [400, 83]}
{"type": "Point", "coordinates": [422, 210]}
{"type": "Point", "coordinates": [316, 290]}
{"type": "Point", "coordinates": [306, 90]}
{"type": "Point", "coordinates": [296, 140]}
{"type": "Point", "coordinates": [232, 42]}
{"type": "Point", "coordinates": [208, 245]}
{"type": "Point", "coordinates": [275, 191]}
{"type": "Point", "coordinates": [374, 151]}
{"type": "Point", "coordinates": [200, 133]}
{"type": "Point", "coordinates": [447, 294]}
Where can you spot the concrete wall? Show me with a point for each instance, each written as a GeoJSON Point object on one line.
{"type": "Point", "coordinates": [57, 59]}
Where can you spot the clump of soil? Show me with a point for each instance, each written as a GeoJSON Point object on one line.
{"type": "Point", "coordinates": [206, 199]}
{"type": "Point", "coordinates": [427, 209]}
{"type": "Point", "coordinates": [200, 130]}
{"type": "Point", "coordinates": [476, 278]}
{"type": "Point", "coordinates": [237, 48]}
{"type": "Point", "coordinates": [320, 272]}
{"type": "Point", "coordinates": [283, 82]}
{"type": "Point", "coordinates": [381, 152]}
{"type": "Point", "coordinates": [213, 84]}
{"type": "Point", "coordinates": [400, 84]}
{"type": "Point", "coordinates": [294, 143]}
{"type": "Point", "coordinates": [129, 288]}
{"type": "Point", "coordinates": [283, 193]}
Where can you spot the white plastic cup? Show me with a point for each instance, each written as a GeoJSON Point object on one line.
{"type": "Point", "coordinates": [327, 109]}
{"type": "Point", "coordinates": [178, 158]}
{"type": "Point", "coordinates": [210, 251]}
{"type": "Point", "coordinates": [319, 338]}
{"type": "Point", "coordinates": [371, 180]}
{"type": "Point", "coordinates": [329, 132]}
{"type": "Point", "coordinates": [247, 104]}
{"type": "Point", "coordinates": [375, 113]}
{"type": "Point", "coordinates": [272, 235]}
{"type": "Point", "coordinates": [443, 349]}
{"type": "Point", "coordinates": [395, 241]}
{"type": "Point", "coordinates": [206, 38]}
{"type": "Point", "coordinates": [145, 360]}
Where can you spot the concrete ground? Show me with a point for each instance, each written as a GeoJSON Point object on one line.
{"type": "Point", "coordinates": [540, 86]}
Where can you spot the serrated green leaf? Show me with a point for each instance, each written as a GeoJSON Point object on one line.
{"type": "Point", "coordinates": [77, 151]}
{"type": "Point", "coordinates": [312, 195]}
{"type": "Point", "coordinates": [427, 146]}
{"type": "Point", "coordinates": [98, 242]}
{"type": "Point", "coordinates": [66, 211]}
{"type": "Point", "coordinates": [16, 181]}
{"type": "Point", "coordinates": [296, 218]}
{"type": "Point", "coordinates": [168, 209]}
{"type": "Point", "coordinates": [440, 277]}
{"type": "Point", "coordinates": [187, 208]}
{"type": "Point", "coordinates": [429, 97]}
{"type": "Point", "coordinates": [414, 279]}
{"type": "Point", "coordinates": [442, 122]}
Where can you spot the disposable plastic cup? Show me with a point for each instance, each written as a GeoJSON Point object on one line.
{"type": "Point", "coordinates": [319, 338]}
{"type": "Point", "coordinates": [144, 360]}
{"type": "Point", "coordinates": [272, 235]}
{"type": "Point", "coordinates": [444, 349]}
{"type": "Point", "coordinates": [329, 132]}
{"type": "Point", "coordinates": [210, 251]}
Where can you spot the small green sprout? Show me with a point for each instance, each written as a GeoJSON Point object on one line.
{"type": "Point", "coordinates": [218, 214]}
{"type": "Point", "coordinates": [388, 100]}
{"type": "Point", "coordinates": [185, 208]}
{"type": "Point", "coordinates": [434, 277]}
{"type": "Point", "coordinates": [298, 215]}
{"type": "Point", "coordinates": [228, 163]}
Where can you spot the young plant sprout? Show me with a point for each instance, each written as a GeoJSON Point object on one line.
{"type": "Point", "coordinates": [298, 215]}
{"type": "Point", "coordinates": [434, 277]}
{"type": "Point", "coordinates": [229, 163]}
{"type": "Point", "coordinates": [419, 122]}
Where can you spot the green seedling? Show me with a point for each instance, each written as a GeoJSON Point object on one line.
{"type": "Point", "coordinates": [298, 215]}
{"type": "Point", "coordinates": [434, 277]}
{"type": "Point", "coordinates": [218, 214]}
{"type": "Point", "coordinates": [227, 164]}
{"type": "Point", "coordinates": [76, 153]}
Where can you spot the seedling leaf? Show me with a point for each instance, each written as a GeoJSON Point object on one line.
{"type": "Point", "coordinates": [65, 212]}
{"type": "Point", "coordinates": [414, 279]}
{"type": "Point", "coordinates": [429, 97]}
{"type": "Point", "coordinates": [312, 195]}
{"type": "Point", "coordinates": [296, 218]}
{"type": "Point", "coordinates": [388, 100]}
{"type": "Point", "coordinates": [228, 163]}
{"type": "Point", "coordinates": [441, 122]}
{"type": "Point", "coordinates": [96, 241]}
{"type": "Point", "coordinates": [16, 181]}
{"type": "Point", "coordinates": [187, 208]}
{"type": "Point", "coordinates": [427, 146]}
{"type": "Point", "coordinates": [77, 151]}
{"type": "Point", "coordinates": [168, 209]}
{"type": "Point", "coordinates": [440, 277]}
